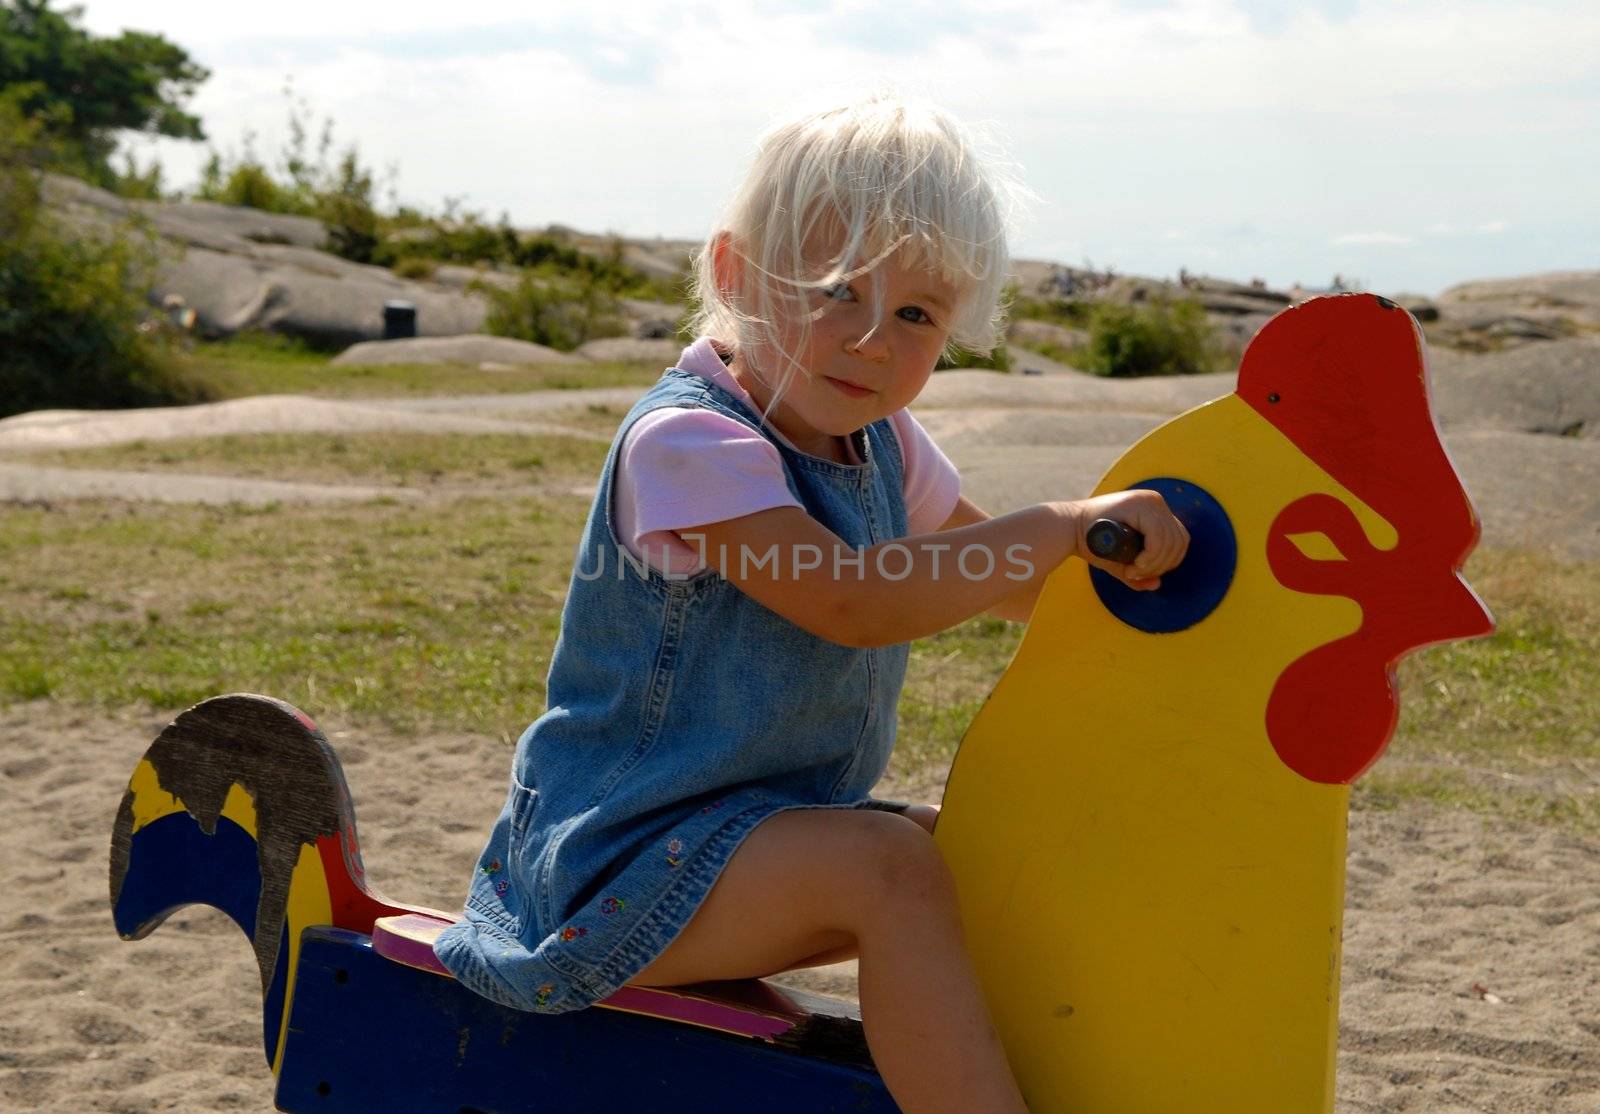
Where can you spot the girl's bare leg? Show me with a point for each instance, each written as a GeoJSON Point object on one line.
{"type": "Point", "coordinates": [809, 883]}
{"type": "Point", "coordinates": [925, 816]}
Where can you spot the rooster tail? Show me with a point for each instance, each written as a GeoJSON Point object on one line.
{"type": "Point", "coordinates": [241, 804]}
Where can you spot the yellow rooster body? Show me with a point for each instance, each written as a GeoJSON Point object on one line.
{"type": "Point", "coordinates": [1152, 895]}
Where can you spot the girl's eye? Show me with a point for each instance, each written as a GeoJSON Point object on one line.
{"type": "Point", "coordinates": [918, 315]}
{"type": "Point", "coordinates": [838, 292]}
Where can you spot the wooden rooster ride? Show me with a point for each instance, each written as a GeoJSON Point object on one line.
{"type": "Point", "coordinates": [1146, 820]}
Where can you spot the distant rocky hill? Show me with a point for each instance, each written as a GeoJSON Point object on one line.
{"type": "Point", "coordinates": [246, 269]}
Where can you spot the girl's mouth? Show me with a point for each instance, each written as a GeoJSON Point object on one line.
{"type": "Point", "coordinates": [848, 388]}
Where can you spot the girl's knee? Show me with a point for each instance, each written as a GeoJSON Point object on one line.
{"type": "Point", "coordinates": [858, 865]}
{"type": "Point", "coordinates": [902, 863]}
{"type": "Point", "coordinates": [925, 816]}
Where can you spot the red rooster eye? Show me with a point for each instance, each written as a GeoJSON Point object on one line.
{"type": "Point", "coordinates": [1317, 545]}
{"type": "Point", "coordinates": [1314, 545]}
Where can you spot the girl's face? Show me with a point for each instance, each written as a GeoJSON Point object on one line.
{"type": "Point", "coordinates": [869, 354]}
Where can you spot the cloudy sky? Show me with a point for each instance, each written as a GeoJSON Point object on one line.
{"type": "Point", "coordinates": [1409, 144]}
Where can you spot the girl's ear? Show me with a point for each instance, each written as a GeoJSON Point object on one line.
{"type": "Point", "coordinates": [727, 266]}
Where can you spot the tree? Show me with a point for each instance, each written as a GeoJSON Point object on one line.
{"type": "Point", "coordinates": [86, 88]}
{"type": "Point", "coordinates": [74, 327]}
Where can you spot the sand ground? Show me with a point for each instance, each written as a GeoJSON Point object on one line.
{"type": "Point", "coordinates": [1471, 964]}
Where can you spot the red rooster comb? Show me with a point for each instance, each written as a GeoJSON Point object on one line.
{"type": "Point", "coordinates": [1345, 379]}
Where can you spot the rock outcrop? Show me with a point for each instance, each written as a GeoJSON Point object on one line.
{"type": "Point", "coordinates": [1551, 389]}
{"type": "Point", "coordinates": [242, 269]}
{"type": "Point", "coordinates": [1569, 299]}
{"type": "Point", "coordinates": [659, 350]}
{"type": "Point", "coordinates": [1500, 313]}
{"type": "Point", "coordinates": [472, 348]}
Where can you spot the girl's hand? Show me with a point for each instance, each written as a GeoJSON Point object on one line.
{"type": "Point", "coordinates": [1165, 539]}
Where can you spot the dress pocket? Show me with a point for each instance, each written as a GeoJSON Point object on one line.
{"type": "Point", "coordinates": [523, 802]}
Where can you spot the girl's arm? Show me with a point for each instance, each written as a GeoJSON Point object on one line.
{"type": "Point", "coordinates": [905, 589]}
{"type": "Point", "coordinates": [1018, 606]}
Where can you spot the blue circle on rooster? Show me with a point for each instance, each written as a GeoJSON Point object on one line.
{"type": "Point", "coordinates": [1191, 591]}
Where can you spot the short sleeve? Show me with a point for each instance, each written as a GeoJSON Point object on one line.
{"type": "Point", "coordinates": [932, 484]}
{"type": "Point", "coordinates": [681, 467]}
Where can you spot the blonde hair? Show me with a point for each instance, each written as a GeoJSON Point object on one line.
{"type": "Point", "coordinates": [858, 182]}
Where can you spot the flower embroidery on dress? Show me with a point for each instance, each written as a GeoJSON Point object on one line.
{"type": "Point", "coordinates": [501, 887]}
{"type": "Point", "coordinates": [492, 868]}
{"type": "Point", "coordinates": [570, 933]}
{"type": "Point", "coordinates": [673, 847]}
{"type": "Point", "coordinates": [612, 904]}
{"type": "Point", "coordinates": [544, 994]}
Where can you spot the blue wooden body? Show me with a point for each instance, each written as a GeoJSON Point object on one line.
{"type": "Point", "coordinates": [240, 804]}
{"type": "Point", "coordinates": [369, 1034]}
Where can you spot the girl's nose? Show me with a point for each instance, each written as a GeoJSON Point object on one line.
{"type": "Point", "coordinates": [872, 345]}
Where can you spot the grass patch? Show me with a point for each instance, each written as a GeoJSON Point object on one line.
{"type": "Point", "coordinates": [264, 364]}
{"type": "Point", "coordinates": [1559, 802]}
{"type": "Point", "coordinates": [948, 678]}
{"type": "Point", "coordinates": [25, 679]}
{"type": "Point", "coordinates": [595, 417]}
{"type": "Point", "coordinates": [1509, 725]}
{"type": "Point", "coordinates": [1526, 692]}
{"type": "Point", "coordinates": [1072, 357]}
{"type": "Point", "coordinates": [401, 459]}
{"type": "Point", "coordinates": [409, 616]}
{"type": "Point", "coordinates": [436, 616]}
{"type": "Point", "coordinates": [442, 615]}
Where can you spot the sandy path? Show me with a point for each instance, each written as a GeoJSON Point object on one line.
{"type": "Point", "coordinates": [1016, 439]}
{"type": "Point", "coordinates": [21, 483]}
{"type": "Point", "coordinates": [84, 429]}
{"type": "Point", "coordinates": [1472, 958]}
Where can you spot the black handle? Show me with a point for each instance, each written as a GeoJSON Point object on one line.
{"type": "Point", "coordinates": [1111, 540]}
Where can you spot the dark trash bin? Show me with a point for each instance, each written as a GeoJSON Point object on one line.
{"type": "Point", "coordinates": [399, 320]}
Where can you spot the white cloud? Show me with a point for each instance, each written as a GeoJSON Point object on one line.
{"type": "Point", "coordinates": [1190, 116]}
{"type": "Point", "coordinates": [1373, 238]}
{"type": "Point", "coordinates": [1486, 228]}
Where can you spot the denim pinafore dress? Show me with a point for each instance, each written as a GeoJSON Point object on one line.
{"type": "Point", "coordinates": [681, 714]}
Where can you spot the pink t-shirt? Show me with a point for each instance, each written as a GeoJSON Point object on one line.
{"type": "Point", "coordinates": [682, 467]}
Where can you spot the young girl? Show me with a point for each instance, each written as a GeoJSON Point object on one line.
{"type": "Point", "coordinates": [771, 528]}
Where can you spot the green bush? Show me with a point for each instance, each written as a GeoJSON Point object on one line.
{"type": "Point", "coordinates": [246, 183]}
{"type": "Point", "coordinates": [139, 183]}
{"type": "Point", "coordinates": [556, 310]}
{"type": "Point", "coordinates": [1071, 312]}
{"type": "Point", "coordinates": [1159, 338]}
{"type": "Point", "coordinates": [467, 239]}
{"type": "Point", "coordinates": [415, 267]}
{"type": "Point", "coordinates": [73, 328]}
{"type": "Point", "coordinates": [956, 357]}
{"type": "Point", "coordinates": [344, 204]}
{"type": "Point", "coordinates": [338, 192]}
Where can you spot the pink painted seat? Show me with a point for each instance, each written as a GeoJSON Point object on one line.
{"type": "Point", "coordinates": [746, 1007]}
